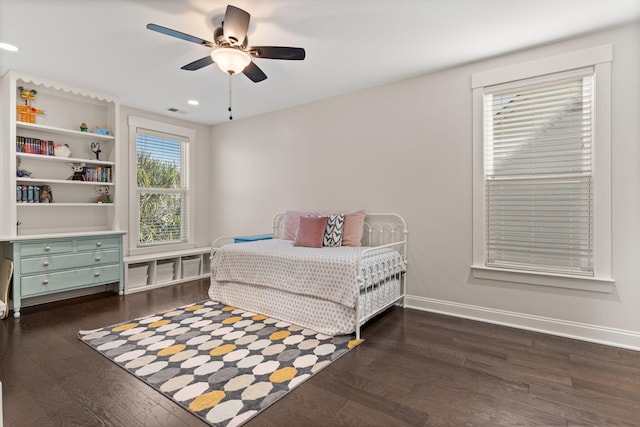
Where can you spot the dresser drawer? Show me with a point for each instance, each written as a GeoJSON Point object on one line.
{"type": "Point", "coordinates": [46, 247]}
{"type": "Point", "coordinates": [98, 243]}
{"type": "Point", "coordinates": [44, 264]}
{"type": "Point", "coordinates": [63, 280]}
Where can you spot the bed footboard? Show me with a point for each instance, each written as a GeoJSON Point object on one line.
{"type": "Point", "coordinates": [373, 294]}
{"type": "Point", "coordinates": [381, 285]}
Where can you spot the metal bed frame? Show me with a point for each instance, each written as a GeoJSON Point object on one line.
{"type": "Point", "coordinates": [381, 230]}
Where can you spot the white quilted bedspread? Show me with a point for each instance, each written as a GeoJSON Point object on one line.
{"type": "Point", "coordinates": [328, 273]}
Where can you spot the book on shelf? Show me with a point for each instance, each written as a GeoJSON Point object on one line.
{"type": "Point", "coordinates": [98, 173]}
{"type": "Point", "coordinates": [29, 145]}
{"type": "Point", "coordinates": [46, 148]}
{"type": "Point", "coordinates": [28, 194]}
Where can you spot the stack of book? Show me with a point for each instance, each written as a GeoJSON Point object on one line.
{"type": "Point", "coordinates": [28, 194]}
{"type": "Point", "coordinates": [34, 146]}
{"type": "Point", "coordinates": [98, 173]}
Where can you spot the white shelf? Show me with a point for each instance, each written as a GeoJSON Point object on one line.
{"type": "Point", "coordinates": [64, 234]}
{"type": "Point", "coordinates": [61, 131]}
{"type": "Point", "coordinates": [64, 159]}
{"type": "Point", "coordinates": [163, 255]}
{"type": "Point", "coordinates": [60, 181]}
{"type": "Point", "coordinates": [20, 205]}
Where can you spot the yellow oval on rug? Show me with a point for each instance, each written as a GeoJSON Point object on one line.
{"type": "Point", "coordinates": [223, 349]}
{"type": "Point", "coordinates": [282, 375]}
{"type": "Point", "coordinates": [207, 400]}
{"type": "Point", "coordinates": [172, 350]}
{"type": "Point", "coordinates": [125, 327]}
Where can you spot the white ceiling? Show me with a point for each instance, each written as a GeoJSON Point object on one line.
{"type": "Point", "coordinates": [350, 44]}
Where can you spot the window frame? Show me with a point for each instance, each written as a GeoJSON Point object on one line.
{"type": "Point", "coordinates": [600, 59]}
{"type": "Point", "coordinates": [187, 137]}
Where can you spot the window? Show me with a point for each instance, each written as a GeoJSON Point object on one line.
{"type": "Point", "coordinates": [538, 175]}
{"type": "Point", "coordinates": [160, 201]}
{"type": "Point", "coordinates": [542, 183]}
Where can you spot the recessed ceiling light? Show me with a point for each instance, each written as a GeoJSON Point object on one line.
{"type": "Point", "coordinates": [9, 47]}
{"type": "Point", "coordinates": [193, 102]}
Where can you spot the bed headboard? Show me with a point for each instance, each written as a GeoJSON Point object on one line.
{"type": "Point", "coordinates": [379, 228]}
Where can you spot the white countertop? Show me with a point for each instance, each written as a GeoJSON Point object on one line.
{"type": "Point", "coordinates": [22, 237]}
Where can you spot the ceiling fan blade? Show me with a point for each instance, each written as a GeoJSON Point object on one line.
{"type": "Point", "coordinates": [235, 25]}
{"type": "Point", "coordinates": [277, 52]}
{"type": "Point", "coordinates": [254, 73]}
{"type": "Point", "coordinates": [179, 35]}
{"type": "Point", "coordinates": [200, 63]}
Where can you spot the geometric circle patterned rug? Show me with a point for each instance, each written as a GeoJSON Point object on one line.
{"type": "Point", "coordinates": [221, 363]}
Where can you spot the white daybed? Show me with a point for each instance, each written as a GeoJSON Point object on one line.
{"type": "Point", "coordinates": [332, 290]}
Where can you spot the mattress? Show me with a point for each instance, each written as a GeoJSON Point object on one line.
{"type": "Point", "coordinates": [327, 273]}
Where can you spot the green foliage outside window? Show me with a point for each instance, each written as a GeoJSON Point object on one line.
{"type": "Point", "coordinates": [160, 212]}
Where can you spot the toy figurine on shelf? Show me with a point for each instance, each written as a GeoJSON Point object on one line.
{"type": "Point", "coordinates": [78, 172]}
{"type": "Point", "coordinates": [61, 150]}
{"type": "Point", "coordinates": [46, 196]}
{"type": "Point", "coordinates": [83, 127]}
{"type": "Point", "coordinates": [27, 94]}
{"type": "Point", "coordinates": [27, 113]}
{"type": "Point", "coordinates": [21, 172]}
{"type": "Point", "coordinates": [104, 194]}
{"type": "Point", "coordinates": [95, 147]}
{"type": "Point", "coordinates": [104, 130]}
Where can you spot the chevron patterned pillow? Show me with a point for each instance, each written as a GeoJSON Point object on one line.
{"type": "Point", "coordinates": [333, 232]}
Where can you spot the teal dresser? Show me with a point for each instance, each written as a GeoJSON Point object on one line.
{"type": "Point", "coordinates": [43, 267]}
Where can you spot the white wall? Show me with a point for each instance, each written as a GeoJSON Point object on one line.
{"type": "Point", "coordinates": [406, 147]}
{"type": "Point", "coordinates": [200, 188]}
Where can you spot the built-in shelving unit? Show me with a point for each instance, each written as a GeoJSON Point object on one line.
{"type": "Point", "coordinates": [76, 205]}
{"type": "Point", "coordinates": [69, 240]}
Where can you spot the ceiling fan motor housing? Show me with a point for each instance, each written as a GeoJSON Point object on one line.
{"type": "Point", "coordinates": [222, 41]}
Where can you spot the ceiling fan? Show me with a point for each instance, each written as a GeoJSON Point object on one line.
{"type": "Point", "coordinates": [230, 47]}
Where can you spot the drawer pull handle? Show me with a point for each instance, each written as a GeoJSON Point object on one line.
{"type": "Point", "coordinates": [98, 258]}
{"type": "Point", "coordinates": [96, 274]}
{"type": "Point", "coordinates": [45, 264]}
{"type": "Point", "coordinates": [98, 244]}
{"type": "Point", "coordinates": [45, 282]}
{"type": "Point", "coordinates": [47, 248]}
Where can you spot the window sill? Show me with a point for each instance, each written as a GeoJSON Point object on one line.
{"type": "Point", "coordinates": [558, 281]}
{"type": "Point", "coordinates": [160, 248]}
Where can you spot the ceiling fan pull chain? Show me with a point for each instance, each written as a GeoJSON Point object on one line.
{"type": "Point", "coordinates": [230, 93]}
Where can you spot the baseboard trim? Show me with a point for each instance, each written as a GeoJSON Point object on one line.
{"type": "Point", "coordinates": [580, 331]}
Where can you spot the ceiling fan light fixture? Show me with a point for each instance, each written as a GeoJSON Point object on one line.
{"type": "Point", "coordinates": [230, 60]}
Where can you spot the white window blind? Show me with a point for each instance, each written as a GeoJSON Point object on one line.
{"type": "Point", "coordinates": [162, 187]}
{"type": "Point", "coordinates": [538, 174]}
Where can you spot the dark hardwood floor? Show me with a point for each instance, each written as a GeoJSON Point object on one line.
{"type": "Point", "coordinates": [414, 369]}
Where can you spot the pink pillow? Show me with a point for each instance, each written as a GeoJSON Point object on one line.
{"type": "Point", "coordinates": [292, 219]}
{"type": "Point", "coordinates": [353, 228]}
{"type": "Point", "coordinates": [310, 231]}
{"type": "Point", "coordinates": [353, 225]}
